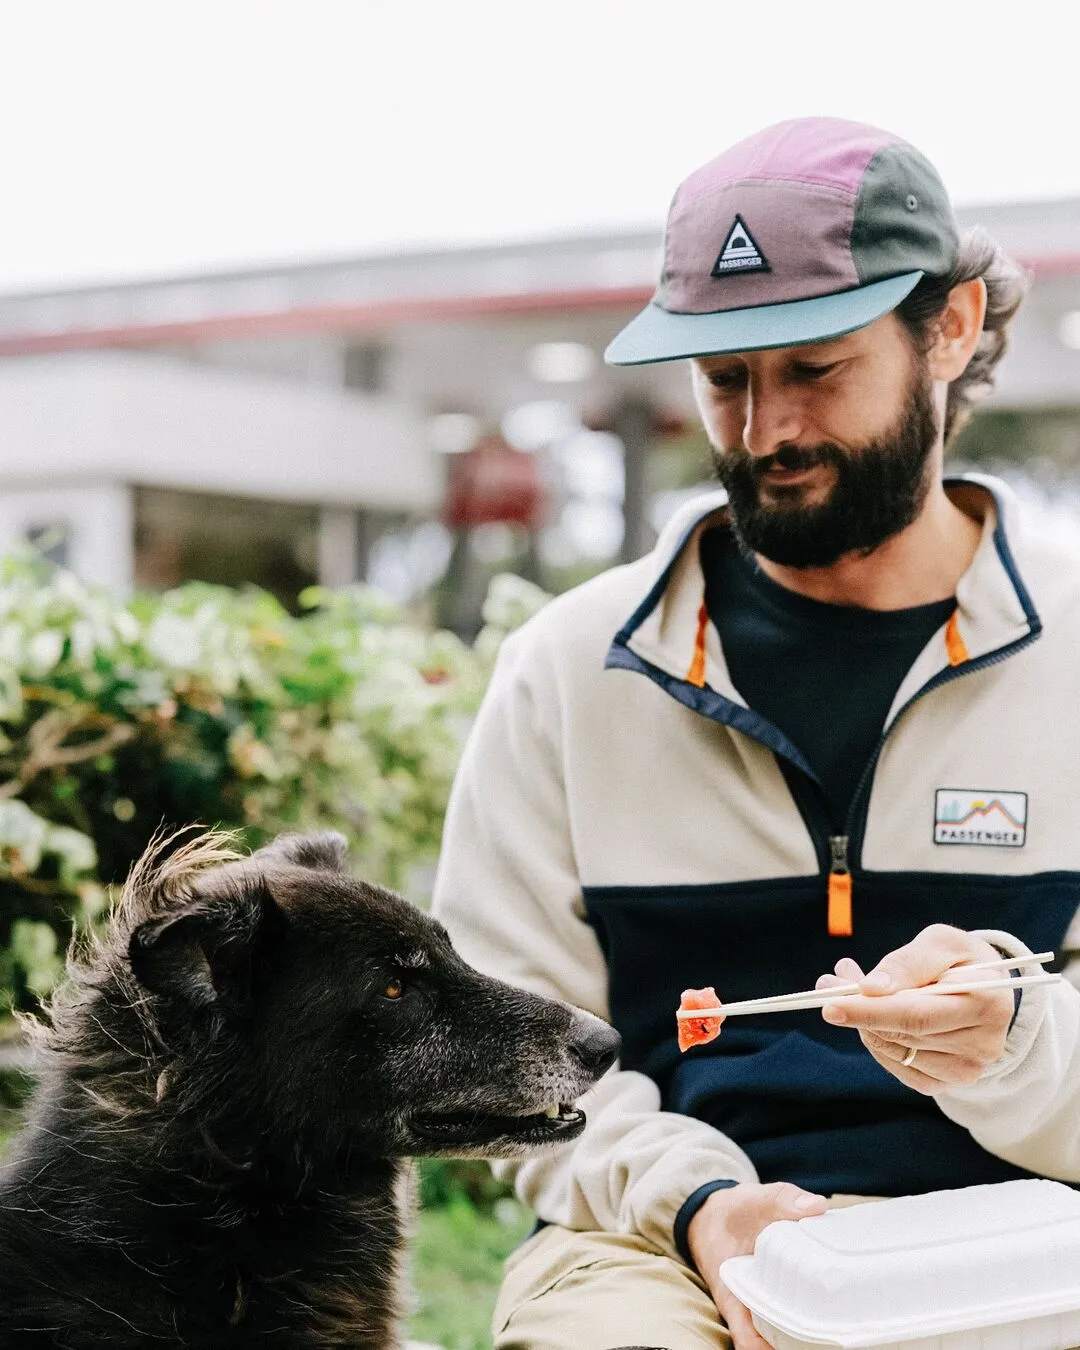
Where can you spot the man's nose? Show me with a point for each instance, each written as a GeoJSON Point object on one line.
{"type": "Point", "coordinates": [772, 419]}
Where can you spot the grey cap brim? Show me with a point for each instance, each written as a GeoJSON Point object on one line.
{"type": "Point", "coordinates": [658, 334]}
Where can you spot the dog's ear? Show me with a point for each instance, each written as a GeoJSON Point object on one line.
{"type": "Point", "coordinates": [325, 850]}
{"type": "Point", "coordinates": [202, 955]}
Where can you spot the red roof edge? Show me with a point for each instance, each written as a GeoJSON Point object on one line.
{"type": "Point", "coordinates": [323, 318]}
{"type": "Point", "coordinates": [375, 314]}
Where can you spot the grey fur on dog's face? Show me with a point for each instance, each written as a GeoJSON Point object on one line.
{"type": "Point", "coordinates": [361, 1027]}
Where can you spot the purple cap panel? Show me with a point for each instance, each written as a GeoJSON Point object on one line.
{"type": "Point", "coordinates": [826, 151]}
{"type": "Point", "coordinates": [803, 232]}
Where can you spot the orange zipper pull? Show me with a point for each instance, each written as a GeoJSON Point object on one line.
{"type": "Point", "coordinates": [839, 888]}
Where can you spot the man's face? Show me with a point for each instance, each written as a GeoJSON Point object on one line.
{"type": "Point", "coordinates": [825, 449]}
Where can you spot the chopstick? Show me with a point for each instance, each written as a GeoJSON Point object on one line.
{"type": "Point", "coordinates": [818, 998]}
{"type": "Point", "coordinates": [1003, 963]}
{"type": "Point", "coordinates": [822, 997]}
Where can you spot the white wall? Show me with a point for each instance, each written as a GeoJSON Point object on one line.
{"type": "Point", "coordinates": [148, 420]}
{"type": "Point", "coordinates": [97, 518]}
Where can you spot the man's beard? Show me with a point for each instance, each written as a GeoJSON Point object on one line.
{"type": "Point", "coordinates": [878, 490]}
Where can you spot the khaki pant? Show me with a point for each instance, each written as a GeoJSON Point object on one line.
{"type": "Point", "coordinates": [589, 1291]}
{"type": "Point", "coordinates": [592, 1291]}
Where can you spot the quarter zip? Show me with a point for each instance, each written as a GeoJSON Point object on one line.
{"type": "Point", "coordinates": [839, 916]}
{"type": "Point", "coordinates": [837, 844]}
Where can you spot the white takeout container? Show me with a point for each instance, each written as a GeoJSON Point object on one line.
{"type": "Point", "coordinates": [982, 1268]}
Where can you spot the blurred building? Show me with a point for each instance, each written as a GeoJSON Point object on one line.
{"type": "Point", "coordinates": [282, 424]}
{"type": "Point", "coordinates": [135, 468]}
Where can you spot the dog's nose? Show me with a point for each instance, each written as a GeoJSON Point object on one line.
{"type": "Point", "coordinates": [595, 1043]}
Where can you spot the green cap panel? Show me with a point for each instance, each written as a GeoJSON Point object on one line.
{"type": "Point", "coordinates": [903, 218]}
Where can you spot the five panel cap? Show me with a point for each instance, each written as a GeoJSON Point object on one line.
{"type": "Point", "coordinates": [805, 231]}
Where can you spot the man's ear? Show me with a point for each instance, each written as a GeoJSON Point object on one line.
{"type": "Point", "coordinates": [202, 956]}
{"type": "Point", "coordinates": [325, 850]}
{"type": "Point", "coordinates": [961, 325]}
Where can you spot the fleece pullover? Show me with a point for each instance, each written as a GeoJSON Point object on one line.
{"type": "Point", "coordinates": [623, 825]}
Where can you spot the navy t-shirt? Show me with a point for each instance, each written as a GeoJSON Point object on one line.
{"type": "Point", "coordinates": [825, 675]}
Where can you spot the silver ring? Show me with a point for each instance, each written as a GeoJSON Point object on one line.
{"type": "Point", "coordinates": [909, 1058]}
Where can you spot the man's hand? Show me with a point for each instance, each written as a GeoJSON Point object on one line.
{"type": "Point", "coordinates": [955, 1036]}
{"type": "Point", "coordinates": [728, 1224]}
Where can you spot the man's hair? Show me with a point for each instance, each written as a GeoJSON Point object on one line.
{"type": "Point", "coordinates": [1006, 286]}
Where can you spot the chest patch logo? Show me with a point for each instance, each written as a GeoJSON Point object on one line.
{"type": "Point", "coordinates": [991, 819]}
{"type": "Point", "coordinates": [740, 253]}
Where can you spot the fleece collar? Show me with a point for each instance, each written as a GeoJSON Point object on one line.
{"type": "Point", "coordinates": [670, 633]}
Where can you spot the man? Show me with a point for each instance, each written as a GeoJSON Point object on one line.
{"type": "Point", "coordinates": [826, 724]}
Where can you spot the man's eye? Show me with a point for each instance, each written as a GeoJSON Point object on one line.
{"type": "Point", "coordinates": [814, 372]}
{"type": "Point", "coordinates": [726, 379]}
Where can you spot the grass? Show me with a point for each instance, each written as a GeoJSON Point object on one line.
{"type": "Point", "coordinates": [455, 1259]}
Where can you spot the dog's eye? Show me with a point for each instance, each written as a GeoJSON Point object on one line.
{"type": "Point", "coordinates": [394, 989]}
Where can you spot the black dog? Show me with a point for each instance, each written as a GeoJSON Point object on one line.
{"type": "Point", "coordinates": [230, 1082]}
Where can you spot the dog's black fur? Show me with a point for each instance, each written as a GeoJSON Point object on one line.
{"type": "Point", "coordinates": [230, 1082]}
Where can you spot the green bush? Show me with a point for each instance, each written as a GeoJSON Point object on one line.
{"type": "Point", "coordinates": [214, 706]}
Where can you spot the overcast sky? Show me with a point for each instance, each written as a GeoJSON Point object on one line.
{"type": "Point", "coordinates": [148, 136]}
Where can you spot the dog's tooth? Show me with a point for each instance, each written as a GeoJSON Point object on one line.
{"type": "Point", "coordinates": [552, 1112]}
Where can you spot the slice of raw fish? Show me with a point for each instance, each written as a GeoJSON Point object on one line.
{"type": "Point", "coordinates": [698, 1030]}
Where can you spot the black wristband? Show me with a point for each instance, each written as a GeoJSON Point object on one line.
{"type": "Point", "coordinates": [688, 1209]}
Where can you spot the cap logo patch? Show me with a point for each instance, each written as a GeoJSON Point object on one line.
{"type": "Point", "coordinates": [740, 253]}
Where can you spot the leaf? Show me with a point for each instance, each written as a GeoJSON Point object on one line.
{"type": "Point", "coordinates": [76, 853]}
{"type": "Point", "coordinates": [174, 641]}
{"type": "Point", "coordinates": [43, 652]}
{"type": "Point", "coordinates": [33, 949]}
{"type": "Point", "coordinates": [11, 702]}
{"type": "Point", "coordinates": [511, 600]}
{"type": "Point", "coordinates": [23, 834]}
